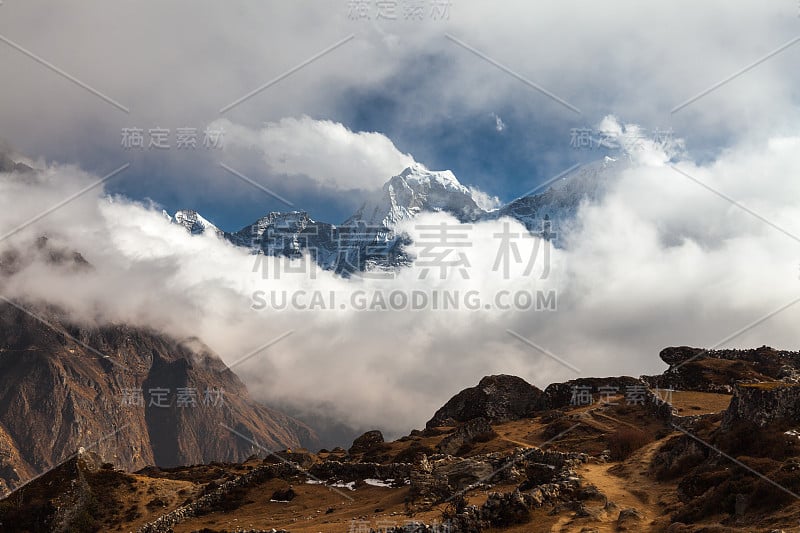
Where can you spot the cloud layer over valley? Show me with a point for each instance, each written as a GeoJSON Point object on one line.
{"type": "Point", "coordinates": [660, 259]}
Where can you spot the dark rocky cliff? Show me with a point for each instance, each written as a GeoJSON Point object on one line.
{"type": "Point", "coordinates": [144, 399]}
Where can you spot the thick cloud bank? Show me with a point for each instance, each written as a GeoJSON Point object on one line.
{"type": "Point", "coordinates": [661, 259]}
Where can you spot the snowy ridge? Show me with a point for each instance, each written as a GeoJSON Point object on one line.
{"type": "Point", "coordinates": [366, 241]}
{"type": "Point", "coordinates": [559, 203]}
{"type": "Point", "coordinates": [195, 223]}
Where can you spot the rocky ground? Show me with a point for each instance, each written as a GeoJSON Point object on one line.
{"type": "Point", "coordinates": [657, 453]}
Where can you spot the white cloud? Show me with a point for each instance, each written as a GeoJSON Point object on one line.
{"type": "Point", "coordinates": [484, 200]}
{"type": "Point", "coordinates": [658, 261]}
{"type": "Point", "coordinates": [165, 82]}
{"type": "Point", "coordinates": [325, 151]}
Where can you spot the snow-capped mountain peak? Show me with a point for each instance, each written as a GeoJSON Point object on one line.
{"type": "Point", "coordinates": [415, 190]}
{"type": "Point", "coordinates": [423, 177]}
{"type": "Point", "coordinates": [194, 222]}
{"type": "Point", "coordinates": [288, 220]}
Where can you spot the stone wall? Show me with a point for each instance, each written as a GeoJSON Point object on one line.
{"type": "Point", "coordinates": [164, 523]}
{"type": "Point", "coordinates": [437, 478]}
{"type": "Point", "coordinates": [337, 471]}
{"type": "Point", "coordinates": [327, 471]}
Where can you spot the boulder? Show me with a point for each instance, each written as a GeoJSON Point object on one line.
{"type": "Point", "coordinates": [507, 509]}
{"type": "Point", "coordinates": [434, 481]}
{"type": "Point", "coordinates": [558, 395]}
{"type": "Point", "coordinates": [496, 398]}
{"type": "Point", "coordinates": [366, 442]}
{"type": "Point", "coordinates": [675, 355]}
{"type": "Point", "coordinates": [717, 370]}
{"type": "Point", "coordinates": [283, 495]}
{"type": "Point", "coordinates": [463, 473]}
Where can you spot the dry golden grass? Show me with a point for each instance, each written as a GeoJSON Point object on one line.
{"type": "Point", "coordinates": [698, 403]}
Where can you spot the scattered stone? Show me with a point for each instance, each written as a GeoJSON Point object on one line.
{"type": "Point", "coordinates": [506, 509]}
{"type": "Point", "coordinates": [284, 495]}
{"type": "Point", "coordinates": [629, 519]}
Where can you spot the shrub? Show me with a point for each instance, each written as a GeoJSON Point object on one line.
{"type": "Point", "coordinates": [622, 443]}
{"type": "Point", "coordinates": [745, 438]}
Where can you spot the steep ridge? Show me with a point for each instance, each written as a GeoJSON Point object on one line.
{"type": "Point", "coordinates": [135, 396]}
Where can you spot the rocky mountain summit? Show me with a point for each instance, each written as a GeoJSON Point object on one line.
{"type": "Point", "coordinates": [7, 164]}
{"type": "Point", "coordinates": [194, 223]}
{"type": "Point", "coordinates": [13, 162]}
{"type": "Point", "coordinates": [496, 398]}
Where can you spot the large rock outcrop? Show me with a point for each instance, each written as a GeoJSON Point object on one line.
{"type": "Point", "coordinates": [558, 395]}
{"type": "Point", "coordinates": [496, 398]}
{"type": "Point", "coordinates": [696, 369]}
{"type": "Point", "coordinates": [763, 403]}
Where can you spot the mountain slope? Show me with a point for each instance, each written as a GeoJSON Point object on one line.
{"type": "Point", "coordinates": [559, 203]}
{"type": "Point", "coordinates": [57, 395]}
